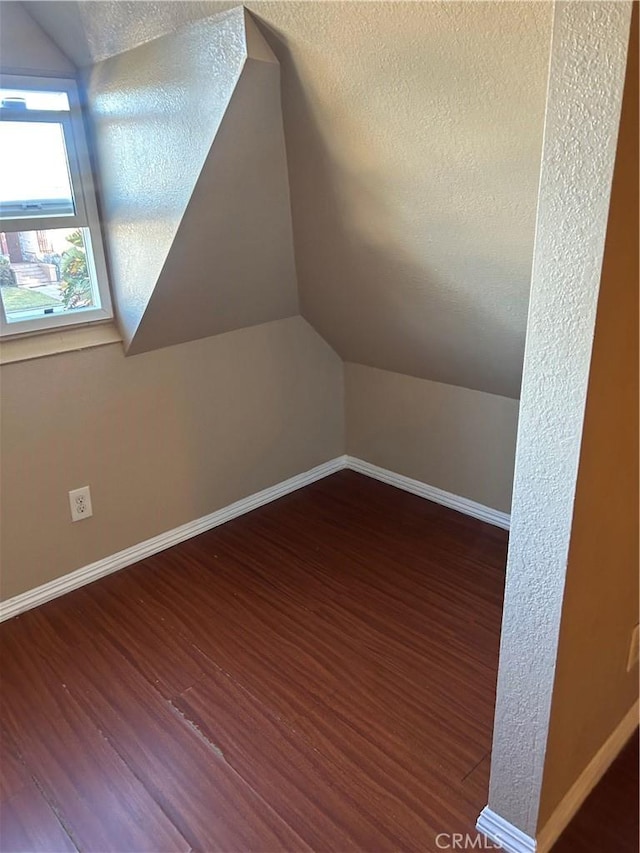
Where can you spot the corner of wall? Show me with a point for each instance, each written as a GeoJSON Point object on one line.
{"type": "Point", "coordinates": [587, 73]}
{"type": "Point", "coordinates": [25, 48]}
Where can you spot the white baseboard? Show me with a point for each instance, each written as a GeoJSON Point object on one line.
{"type": "Point", "coordinates": [431, 493]}
{"type": "Point", "coordinates": [87, 574]}
{"type": "Point", "coordinates": [587, 780]}
{"type": "Point", "coordinates": [509, 837]}
{"type": "Point", "coordinates": [513, 840]}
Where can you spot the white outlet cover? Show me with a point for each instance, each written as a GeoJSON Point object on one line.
{"type": "Point", "coordinates": [80, 504]}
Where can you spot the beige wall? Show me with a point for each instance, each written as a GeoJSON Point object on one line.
{"type": "Point", "coordinates": [166, 437]}
{"type": "Point", "coordinates": [161, 438]}
{"type": "Point", "coordinates": [453, 438]}
{"type": "Point", "coordinates": [592, 690]}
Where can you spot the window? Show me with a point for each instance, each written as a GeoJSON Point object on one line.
{"type": "Point", "coordinates": [52, 270]}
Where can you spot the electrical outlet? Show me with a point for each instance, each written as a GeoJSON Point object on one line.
{"type": "Point", "coordinates": [80, 503]}
{"type": "Point", "coordinates": [633, 649]}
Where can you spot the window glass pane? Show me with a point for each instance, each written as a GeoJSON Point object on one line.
{"type": "Point", "coordinates": [46, 272]}
{"type": "Point", "coordinates": [54, 101]}
{"type": "Point", "coordinates": [34, 173]}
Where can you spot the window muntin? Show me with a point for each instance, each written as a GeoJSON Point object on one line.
{"type": "Point", "coordinates": [52, 270]}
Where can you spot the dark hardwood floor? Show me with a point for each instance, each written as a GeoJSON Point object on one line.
{"type": "Point", "coordinates": [608, 819]}
{"type": "Point", "coordinates": [316, 675]}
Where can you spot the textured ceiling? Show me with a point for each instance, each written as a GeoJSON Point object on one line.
{"type": "Point", "coordinates": [414, 133]}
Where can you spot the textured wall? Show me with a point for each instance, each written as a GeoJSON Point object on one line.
{"type": "Point", "coordinates": [157, 104]}
{"type": "Point", "coordinates": [413, 136]}
{"type": "Point", "coordinates": [458, 440]}
{"type": "Point", "coordinates": [162, 439]}
{"type": "Point", "coordinates": [593, 690]}
{"type": "Point", "coordinates": [256, 377]}
{"type": "Point", "coordinates": [586, 80]}
{"type": "Point", "coordinates": [197, 216]}
{"type": "Point", "coordinates": [193, 427]}
{"type": "Point", "coordinates": [231, 263]}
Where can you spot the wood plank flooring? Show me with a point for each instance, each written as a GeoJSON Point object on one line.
{"type": "Point", "coordinates": [608, 819]}
{"type": "Point", "coordinates": [316, 675]}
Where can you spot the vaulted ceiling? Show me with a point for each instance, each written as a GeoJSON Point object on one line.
{"type": "Point", "coordinates": [413, 135]}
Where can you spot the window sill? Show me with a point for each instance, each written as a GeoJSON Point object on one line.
{"type": "Point", "coordinates": [58, 341]}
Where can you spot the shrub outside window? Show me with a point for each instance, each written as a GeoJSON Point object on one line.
{"type": "Point", "coordinates": [52, 269]}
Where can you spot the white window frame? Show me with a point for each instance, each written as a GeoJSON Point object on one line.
{"type": "Point", "coordinates": [86, 216]}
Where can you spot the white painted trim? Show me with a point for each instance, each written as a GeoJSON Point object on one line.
{"type": "Point", "coordinates": [80, 577]}
{"type": "Point", "coordinates": [56, 341]}
{"type": "Point", "coordinates": [86, 213]}
{"type": "Point", "coordinates": [509, 837]}
{"type": "Point", "coordinates": [587, 780]}
{"type": "Point", "coordinates": [87, 574]}
{"type": "Point", "coordinates": [431, 493]}
{"type": "Point", "coordinates": [513, 840]}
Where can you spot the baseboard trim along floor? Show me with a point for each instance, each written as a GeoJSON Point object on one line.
{"type": "Point", "coordinates": [431, 493]}
{"type": "Point", "coordinates": [509, 837]}
{"type": "Point", "coordinates": [87, 574]}
{"type": "Point", "coordinates": [587, 780]}
{"type": "Point", "coordinates": [513, 840]}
